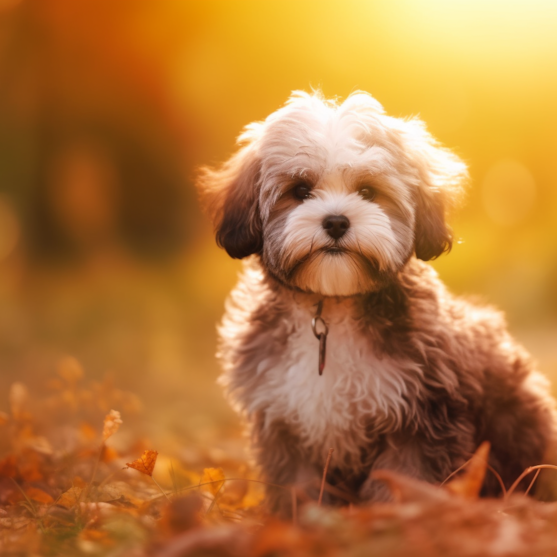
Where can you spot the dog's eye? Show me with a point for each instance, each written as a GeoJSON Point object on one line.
{"type": "Point", "coordinates": [368, 193]}
{"type": "Point", "coordinates": [301, 191]}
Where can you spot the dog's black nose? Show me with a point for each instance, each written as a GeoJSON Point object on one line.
{"type": "Point", "coordinates": [336, 225]}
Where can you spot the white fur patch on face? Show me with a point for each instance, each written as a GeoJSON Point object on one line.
{"type": "Point", "coordinates": [370, 239]}
{"type": "Point", "coordinates": [333, 275]}
{"type": "Point", "coordinates": [335, 150]}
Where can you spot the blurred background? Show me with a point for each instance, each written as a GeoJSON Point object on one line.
{"type": "Point", "coordinates": [107, 107]}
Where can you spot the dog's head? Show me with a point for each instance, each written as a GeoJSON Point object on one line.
{"type": "Point", "coordinates": [334, 198]}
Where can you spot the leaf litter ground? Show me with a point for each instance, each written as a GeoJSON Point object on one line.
{"type": "Point", "coordinates": [68, 486]}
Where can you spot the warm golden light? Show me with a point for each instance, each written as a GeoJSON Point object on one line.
{"type": "Point", "coordinates": [113, 106]}
{"type": "Point", "coordinates": [111, 284]}
{"type": "Point", "coordinates": [508, 192]}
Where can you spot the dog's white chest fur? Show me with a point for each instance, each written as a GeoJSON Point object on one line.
{"type": "Point", "coordinates": [357, 393]}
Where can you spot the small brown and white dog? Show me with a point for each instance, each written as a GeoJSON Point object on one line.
{"type": "Point", "coordinates": [337, 206]}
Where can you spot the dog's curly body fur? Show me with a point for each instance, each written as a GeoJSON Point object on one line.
{"type": "Point", "coordinates": [415, 378]}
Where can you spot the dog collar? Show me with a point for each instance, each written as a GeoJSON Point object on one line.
{"type": "Point", "coordinates": [319, 323]}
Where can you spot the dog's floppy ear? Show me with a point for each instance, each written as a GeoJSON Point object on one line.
{"type": "Point", "coordinates": [440, 179]}
{"type": "Point", "coordinates": [231, 195]}
{"type": "Point", "coordinates": [432, 236]}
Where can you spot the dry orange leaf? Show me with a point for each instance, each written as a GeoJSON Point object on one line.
{"type": "Point", "coordinates": [109, 454]}
{"type": "Point", "coordinates": [216, 478]}
{"type": "Point", "coordinates": [70, 498]}
{"type": "Point", "coordinates": [470, 482]}
{"type": "Point", "coordinates": [78, 481]}
{"type": "Point", "coordinates": [96, 493]}
{"type": "Point", "coordinates": [255, 496]}
{"type": "Point", "coordinates": [145, 463]}
{"type": "Point", "coordinates": [405, 489]}
{"type": "Point", "coordinates": [30, 466]}
{"type": "Point", "coordinates": [8, 467]}
{"type": "Point", "coordinates": [112, 423]}
{"type": "Point", "coordinates": [39, 495]}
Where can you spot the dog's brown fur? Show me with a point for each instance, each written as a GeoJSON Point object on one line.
{"type": "Point", "coordinates": [450, 374]}
{"type": "Point", "coordinates": [479, 385]}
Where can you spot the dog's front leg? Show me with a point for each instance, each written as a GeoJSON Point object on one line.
{"type": "Point", "coordinates": [283, 463]}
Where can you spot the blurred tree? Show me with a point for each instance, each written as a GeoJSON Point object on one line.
{"type": "Point", "coordinates": [92, 145]}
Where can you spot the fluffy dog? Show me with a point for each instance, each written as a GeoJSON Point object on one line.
{"type": "Point", "coordinates": [337, 207]}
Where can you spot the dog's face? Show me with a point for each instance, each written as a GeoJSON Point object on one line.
{"type": "Point", "coordinates": [334, 199]}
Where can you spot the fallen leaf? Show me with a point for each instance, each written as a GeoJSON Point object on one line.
{"type": "Point", "coordinates": [95, 494]}
{"type": "Point", "coordinates": [255, 496]}
{"type": "Point", "coordinates": [469, 483]}
{"type": "Point", "coordinates": [70, 498]}
{"type": "Point", "coordinates": [405, 489]}
{"type": "Point", "coordinates": [216, 478]}
{"type": "Point", "coordinates": [112, 423]}
{"type": "Point", "coordinates": [103, 493]}
{"type": "Point", "coordinates": [78, 481]}
{"type": "Point", "coordinates": [8, 467]}
{"type": "Point", "coordinates": [30, 466]}
{"type": "Point", "coordinates": [109, 454]}
{"type": "Point", "coordinates": [39, 495]}
{"type": "Point", "coordinates": [145, 463]}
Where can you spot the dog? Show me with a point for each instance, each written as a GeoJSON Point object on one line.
{"type": "Point", "coordinates": [339, 335]}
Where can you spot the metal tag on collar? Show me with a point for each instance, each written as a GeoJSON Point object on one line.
{"type": "Point", "coordinates": [321, 335]}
